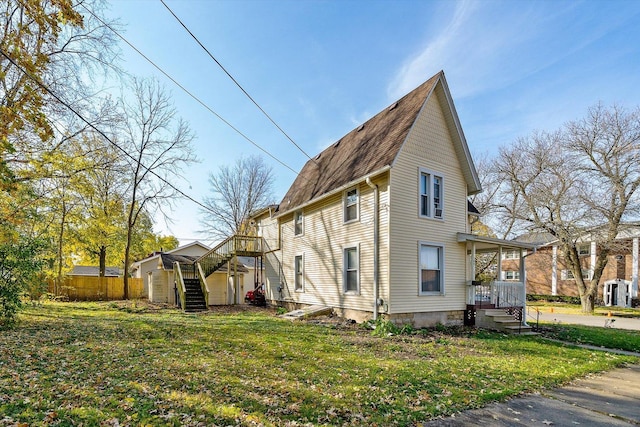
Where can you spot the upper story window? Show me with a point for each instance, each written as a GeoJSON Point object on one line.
{"type": "Point", "coordinates": [351, 201]}
{"type": "Point", "coordinates": [584, 249]}
{"type": "Point", "coordinates": [431, 194]}
{"type": "Point", "coordinates": [431, 269]}
{"type": "Point", "coordinates": [298, 222]}
{"type": "Point", "coordinates": [512, 254]}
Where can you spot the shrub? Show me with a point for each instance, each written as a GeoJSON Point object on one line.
{"type": "Point", "coordinates": [554, 298]}
{"type": "Point", "coordinates": [20, 266]}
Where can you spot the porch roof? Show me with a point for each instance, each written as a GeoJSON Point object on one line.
{"type": "Point", "coordinates": [491, 244]}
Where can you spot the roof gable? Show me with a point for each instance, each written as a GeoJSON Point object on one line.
{"type": "Point", "coordinates": [374, 146]}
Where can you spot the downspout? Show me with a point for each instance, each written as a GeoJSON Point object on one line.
{"type": "Point", "coordinates": [375, 245]}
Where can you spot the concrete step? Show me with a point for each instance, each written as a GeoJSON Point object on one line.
{"type": "Point", "coordinates": [305, 313]}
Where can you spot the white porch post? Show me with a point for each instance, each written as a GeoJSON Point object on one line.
{"type": "Point", "coordinates": [523, 278]}
{"type": "Point", "coordinates": [634, 268]}
{"type": "Point", "coordinates": [472, 261]}
{"type": "Point", "coordinates": [500, 273]}
{"type": "Point", "coordinates": [593, 259]}
{"type": "Point", "coordinates": [554, 270]}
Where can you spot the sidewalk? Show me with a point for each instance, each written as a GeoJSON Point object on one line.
{"type": "Point", "coordinates": [608, 399]}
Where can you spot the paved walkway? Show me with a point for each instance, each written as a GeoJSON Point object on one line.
{"type": "Point", "coordinates": [578, 319]}
{"type": "Point", "coordinates": [608, 399]}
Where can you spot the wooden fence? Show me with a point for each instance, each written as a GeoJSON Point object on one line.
{"type": "Point", "coordinates": [88, 288]}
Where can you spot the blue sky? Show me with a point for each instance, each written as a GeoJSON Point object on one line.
{"type": "Point", "coordinates": [320, 68]}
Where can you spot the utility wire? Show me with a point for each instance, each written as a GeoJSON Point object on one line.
{"type": "Point", "coordinates": [198, 100]}
{"type": "Point", "coordinates": [234, 80]}
{"type": "Point", "coordinates": [92, 126]}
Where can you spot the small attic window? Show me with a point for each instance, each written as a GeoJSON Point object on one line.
{"type": "Point", "coordinates": [337, 143]}
{"type": "Point", "coordinates": [394, 105]}
{"type": "Point", "coordinates": [360, 128]}
{"type": "Point", "coordinates": [317, 157]}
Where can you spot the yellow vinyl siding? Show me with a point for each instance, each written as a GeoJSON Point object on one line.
{"type": "Point", "coordinates": [322, 244]}
{"type": "Point", "coordinates": [428, 145]}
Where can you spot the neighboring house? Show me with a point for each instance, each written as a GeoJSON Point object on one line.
{"type": "Point", "coordinates": [91, 271]}
{"type": "Point", "coordinates": [162, 281]}
{"type": "Point", "coordinates": [548, 274]}
{"type": "Point", "coordinates": [142, 268]}
{"type": "Point", "coordinates": [378, 223]}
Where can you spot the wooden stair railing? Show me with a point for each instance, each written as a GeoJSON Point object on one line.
{"type": "Point", "coordinates": [236, 245]}
{"type": "Point", "coordinates": [201, 268]}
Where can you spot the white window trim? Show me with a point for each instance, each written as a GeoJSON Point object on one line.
{"type": "Point", "coordinates": [295, 216]}
{"type": "Point", "coordinates": [295, 274]}
{"type": "Point", "coordinates": [441, 246]}
{"type": "Point", "coordinates": [515, 274]}
{"type": "Point", "coordinates": [432, 209]}
{"type": "Point", "coordinates": [344, 269]}
{"type": "Point", "coordinates": [583, 245]}
{"type": "Point", "coordinates": [511, 254]}
{"type": "Point", "coordinates": [344, 205]}
{"type": "Point", "coordinates": [564, 274]}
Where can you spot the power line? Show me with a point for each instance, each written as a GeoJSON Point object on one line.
{"type": "Point", "coordinates": [234, 80]}
{"type": "Point", "coordinates": [101, 133]}
{"type": "Point", "coordinates": [184, 89]}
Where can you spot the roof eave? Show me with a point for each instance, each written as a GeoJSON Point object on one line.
{"type": "Point", "coordinates": [335, 191]}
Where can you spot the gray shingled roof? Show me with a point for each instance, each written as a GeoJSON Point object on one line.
{"type": "Point", "coordinates": [89, 270]}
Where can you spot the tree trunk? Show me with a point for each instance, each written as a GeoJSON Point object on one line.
{"type": "Point", "coordinates": [103, 261]}
{"type": "Point", "coordinates": [587, 301]}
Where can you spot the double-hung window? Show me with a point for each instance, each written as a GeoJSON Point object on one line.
{"type": "Point", "coordinates": [431, 268]}
{"type": "Point", "coordinates": [431, 194]}
{"type": "Point", "coordinates": [351, 199]}
{"type": "Point", "coordinates": [299, 273]}
{"type": "Point", "coordinates": [351, 264]}
{"type": "Point", "coordinates": [511, 275]}
{"type": "Point", "coordinates": [298, 219]}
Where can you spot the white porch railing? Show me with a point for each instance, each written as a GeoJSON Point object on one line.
{"type": "Point", "coordinates": [496, 294]}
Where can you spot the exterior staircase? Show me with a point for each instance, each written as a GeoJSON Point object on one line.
{"type": "Point", "coordinates": [499, 320]}
{"type": "Point", "coordinates": [191, 277]}
{"type": "Point", "coordinates": [194, 298]}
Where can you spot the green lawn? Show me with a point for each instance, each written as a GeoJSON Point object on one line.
{"type": "Point", "coordinates": [102, 364]}
{"type": "Point", "coordinates": [603, 337]}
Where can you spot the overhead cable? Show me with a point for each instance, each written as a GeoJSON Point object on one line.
{"type": "Point", "coordinates": [184, 89]}
{"type": "Point", "coordinates": [101, 133]}
{"type": "Point", "coordinates": [234, 80]}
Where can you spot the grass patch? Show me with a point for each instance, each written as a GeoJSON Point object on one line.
{"type": "Point", "coordinates": [101, 364]}
{"type": "Point", "coordinates": [602, 337]}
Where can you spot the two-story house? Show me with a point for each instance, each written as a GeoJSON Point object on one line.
{"type": "Point", "coordinates": [378, 223]}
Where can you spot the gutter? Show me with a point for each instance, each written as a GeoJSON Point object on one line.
{"type": "Point", "coordinates": [334, 191]}
{"type": "Point", "coordinates": [376, 221]}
